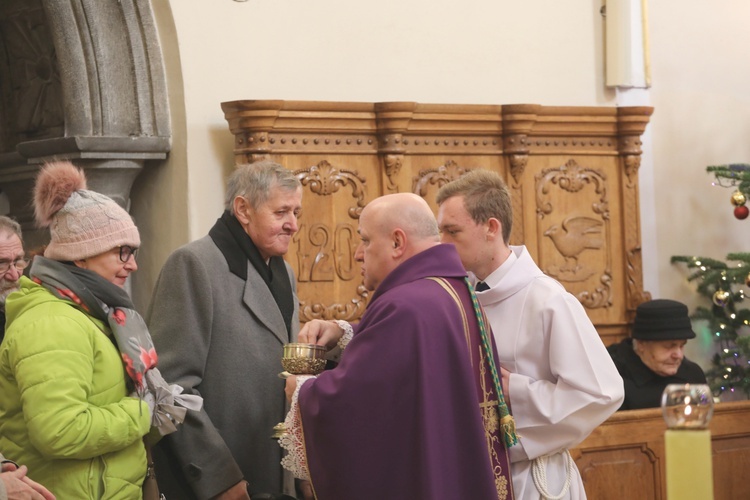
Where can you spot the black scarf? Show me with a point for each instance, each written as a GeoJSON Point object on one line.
{"type": "Point", "coordinates": [238, 248]}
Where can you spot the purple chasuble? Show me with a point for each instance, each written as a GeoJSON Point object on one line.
{"type": "Point", "coordinates": [411, 410]}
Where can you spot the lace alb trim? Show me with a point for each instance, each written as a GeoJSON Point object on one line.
{"type": "Point", "coordinates": [348, 333]}
{"type": "Point", "coordinates": [293, 440]}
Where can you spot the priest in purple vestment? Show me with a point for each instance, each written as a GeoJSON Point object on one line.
{"type": "Point", "coordinates": [414, 410]}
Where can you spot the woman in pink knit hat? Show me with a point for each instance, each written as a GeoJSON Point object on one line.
{"type": "Point", "coordinates": [78, 385]}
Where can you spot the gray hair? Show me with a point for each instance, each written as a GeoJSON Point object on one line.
{"type": "Point", "coordinates": [254, 182]}
{"type": "Point", "coordinates": [8, 225]}
{"type": "Point", "coordinates": [485, 195]}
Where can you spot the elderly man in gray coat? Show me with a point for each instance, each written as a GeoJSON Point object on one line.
{"type": "Point", "coordinates": [222, 309]}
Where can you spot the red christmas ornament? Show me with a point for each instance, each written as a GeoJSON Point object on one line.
{"type": "Point", "coordinates": [741, 212]}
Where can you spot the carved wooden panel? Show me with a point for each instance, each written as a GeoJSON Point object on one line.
{"type": "Point", "coordinates": [731, 457]}
{"type": "Point", "coordinates": [572, 174]}
{"type": "Point", "coordinates": [325, 243]}
{"type": "Point", "coordinates": [618, 473]}
{"type": "Point", "coordinates": [572, 206]}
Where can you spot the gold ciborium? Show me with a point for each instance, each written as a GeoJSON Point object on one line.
{"type": "Point", "coordinates": [304, 359]}
{"type": "Point", "coordinates": [300, 359]}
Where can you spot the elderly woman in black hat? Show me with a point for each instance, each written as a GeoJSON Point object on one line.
{"type": "Point", "coordinates": [654, 356]}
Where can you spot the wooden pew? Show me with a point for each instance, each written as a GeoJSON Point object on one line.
{"type": "Point", "coordinates": [624, 457]}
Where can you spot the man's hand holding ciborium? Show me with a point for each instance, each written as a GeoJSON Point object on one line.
{"type": "Point", "coordinates": [306, 359]}
{"type": "Point", "coordinates": [319, 334]}
{"type": "Point", "coordinates": [299, 358]}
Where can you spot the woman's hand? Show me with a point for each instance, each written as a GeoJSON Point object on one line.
{"type": "Point", "coordinates": [18, 485]}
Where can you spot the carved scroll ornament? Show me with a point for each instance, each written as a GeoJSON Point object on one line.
{"type": "Point", "coordinates": [436, 177]}
{"type": "Point", "coordinates": [393, 163]}
{"type": "Point", "coordinates": [325, 250]}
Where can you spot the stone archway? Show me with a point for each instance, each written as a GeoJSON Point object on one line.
{"type": "Point", "coordinates": [82, 80]}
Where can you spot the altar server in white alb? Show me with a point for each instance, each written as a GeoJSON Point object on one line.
{"type": "Point", "coordinates": [557, 376]}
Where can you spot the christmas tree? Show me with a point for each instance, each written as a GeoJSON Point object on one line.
{"type": "Point", "coordinates": [735, 175]}
{"type": "Point", "coordinates": [724, 284]}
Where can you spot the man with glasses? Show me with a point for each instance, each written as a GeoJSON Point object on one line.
{"type": "Point", "coordinates": [12, 263]}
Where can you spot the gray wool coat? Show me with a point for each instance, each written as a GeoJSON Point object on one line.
{"type": "Point", "coordinates": [220, 337]}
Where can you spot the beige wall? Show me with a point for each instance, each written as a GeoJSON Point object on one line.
{"type": "Point", "coordinates": [159, 197]}
{"type": "Point", "coordinates": [426, 50]}
{"type": "Point", "coordinates": [701, 93]}
{"type": "Point", "coordinates": [474, 51]}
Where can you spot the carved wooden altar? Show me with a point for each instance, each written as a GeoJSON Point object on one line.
{"type": "Point", "coordinates": [572, 171]}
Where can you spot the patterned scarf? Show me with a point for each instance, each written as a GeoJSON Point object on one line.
{"type": "Point", "coordinates": [111, 304]}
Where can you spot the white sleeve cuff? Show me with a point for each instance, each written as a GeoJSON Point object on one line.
{"type": "Point", "coordinates": [348, 333]}
{"type": "Point", "coordinates": [293, 440]}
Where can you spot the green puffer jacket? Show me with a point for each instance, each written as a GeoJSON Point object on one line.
{"type": "Point", "coordinates": [64, 405]}
{"type": "Point", "coordinates": [3, 492]}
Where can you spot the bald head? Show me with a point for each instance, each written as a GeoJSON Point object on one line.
{"type": "Point", "coordinates": [393, 228]}
{"type": "Point", "coordinates": [407, 212]}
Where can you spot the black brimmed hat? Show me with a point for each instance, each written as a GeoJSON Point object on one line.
{"type": "Point", "coordinates": [662, 319]}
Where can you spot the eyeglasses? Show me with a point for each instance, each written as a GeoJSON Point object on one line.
{"type": "Point", "coordinates": [126, 252]}
{"type": "Point", "coordinates": [19, 264]}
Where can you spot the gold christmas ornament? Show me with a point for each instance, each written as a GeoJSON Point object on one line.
{"type": "Point", "coordinates": [747, 280]}
{"type": "Point", "coordinates": [738, 198]}
{"type": "Point", "coordinates": [721, 298]}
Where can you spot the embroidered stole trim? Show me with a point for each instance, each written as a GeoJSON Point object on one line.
{"type": "Point", "coordinates": [491, 410]}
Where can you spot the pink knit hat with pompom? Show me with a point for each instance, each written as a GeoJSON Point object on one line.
{"type": "Point", "coordinates": [82, 223]}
